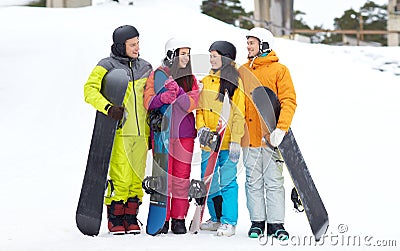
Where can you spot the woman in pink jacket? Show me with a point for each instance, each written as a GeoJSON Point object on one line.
{"type": "Point", "coordinates": [182, 94]}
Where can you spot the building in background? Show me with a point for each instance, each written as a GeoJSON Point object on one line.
{"type": "Point", "coordinates": [393, 22]}
{"type": "Point", "coordinates": [68, 3]}
{"type": "Point", "coordinates": [276, 15]}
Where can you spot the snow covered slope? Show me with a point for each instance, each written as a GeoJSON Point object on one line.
{"type": "Point", "coordinates": [346, 124]}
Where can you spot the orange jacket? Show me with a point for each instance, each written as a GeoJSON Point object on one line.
{"type": "Point", "coordinates": [266, 71]}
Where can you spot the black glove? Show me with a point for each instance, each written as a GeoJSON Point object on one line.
{"type": "Point", "coordinates": [116, 112]}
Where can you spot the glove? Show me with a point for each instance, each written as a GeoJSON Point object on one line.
{"type": "Point", "coordinates": [234, 151]}
{"type": "Point", "coordinates": [116, 112]}
{"type": "Point", "coordinates": [201, 130]}
{"type": "Point", "coordinates": [171, 85]}
{"type": "Point", "coordinates": [276, 137]}
{"type": "Point", "coordinates": [168, 97]}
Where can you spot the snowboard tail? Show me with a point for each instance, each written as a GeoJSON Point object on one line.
{"type": "Point", "coordinates": [308, 193]}
{"type": "Point", "coordinates": [158, 199]}
{"type": "Point", "coordinates": [268, 106]}
{"type": "Point", "coordinates": [90, 206]}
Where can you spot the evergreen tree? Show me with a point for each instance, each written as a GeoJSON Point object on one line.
{"type": "Point", "coordinates": [348, 21]}
{"type": "Point", "coordinates": [370, 17]}
{"type": "Point", "coordinates": [374, 18]}
{"type": "Point", "coordinates": [319, 37]}
{"type": "Point", "coordinates": [228, 11]}
{"type": "Point", "coordinates": [299, 23]}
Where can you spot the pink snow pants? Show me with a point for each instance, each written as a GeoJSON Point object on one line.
{"type": "Point", "coordinates": [179, 167]}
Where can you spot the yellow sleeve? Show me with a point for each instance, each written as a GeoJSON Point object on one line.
{"type": "Point", "coordinates": [238, 122]}
{"type": "Point", "coordinates": [92, 89]}
{"type": "Point", "coordinates": [200, 122]}
{"type": "Point", "coordinates": [193, 96]}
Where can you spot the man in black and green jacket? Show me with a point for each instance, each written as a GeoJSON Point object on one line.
{"type": "Point", "coordinates": [129, 153]}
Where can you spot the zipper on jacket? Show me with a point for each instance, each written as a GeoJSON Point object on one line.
{"type": "Point", "coordinates": [134, 94]}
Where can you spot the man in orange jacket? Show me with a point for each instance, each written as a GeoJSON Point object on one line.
{"type": "Point", "coordinates": [264, 181]}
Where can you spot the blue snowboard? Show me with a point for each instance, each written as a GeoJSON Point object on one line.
{"type": "Point", "coordinates": [90, 205]}
{"type": "Point", "coordinates": [268, 105]}
{"type": "Point", "coordinates": [158, 199]}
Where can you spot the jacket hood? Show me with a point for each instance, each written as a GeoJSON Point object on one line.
{"type": "Point", "coordinates": [125, 60]}
{"type": "Point", "coordinates": [119, 58]}
{"type": "Point", "coordinates": [257, 61]}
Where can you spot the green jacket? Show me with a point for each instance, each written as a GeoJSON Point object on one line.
{"type": "Point", "coordinates": [139, 70]}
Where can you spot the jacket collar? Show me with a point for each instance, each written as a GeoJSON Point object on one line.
{"type": "Point", "coordinates": [125, 60]}
{"type": "Point", "coordinates": [215, 73]}
{"type": "Point", "coordinates": [258, 61]}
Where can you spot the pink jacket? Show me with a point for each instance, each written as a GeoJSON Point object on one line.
{"type": "Point", "coordinates": [183, 121]}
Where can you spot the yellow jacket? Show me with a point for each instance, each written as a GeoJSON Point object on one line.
{"type": "Point", "coordinates": [266, 71]}
{"type": "Point", "coordinates": [210, 108]}
{"type": "Point", "coordinates": [139, 71]}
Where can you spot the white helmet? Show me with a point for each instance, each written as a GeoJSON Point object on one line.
{"type": "Point", "coordinates": [264, 36]}
{"type": "Point", "coordinates": [173, 44]}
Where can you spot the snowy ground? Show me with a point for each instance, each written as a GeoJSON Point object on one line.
{"type": "Point", "coordinates": [346, 124]}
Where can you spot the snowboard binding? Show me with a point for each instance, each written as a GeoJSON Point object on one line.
{"type": "Point", "coordinates": [153, 185]}
{"type": "Point", "coordinates": [298, 206]}
{"type": "Point", "coordinates": [197, 190]}
{"type": "Point", "coordinates": [154, 120]}
{"type": "Point", "coordinates": [210, 139]}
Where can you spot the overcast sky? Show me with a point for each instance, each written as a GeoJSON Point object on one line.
{"type": "Point", "coordinates": [320, 12]}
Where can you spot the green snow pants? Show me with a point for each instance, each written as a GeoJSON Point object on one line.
{"type": "Point", "coordinates": [127, 168]}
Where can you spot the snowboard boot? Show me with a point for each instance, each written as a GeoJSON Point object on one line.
{"type": "Point", "coordinates": [257, 228]}
{"type": "Point", "coordinates": [178, 226]}
{"type": "Point", "coordinates": [165, 228]}
{"type": "Point", "coordinates": [277, 230]}
{"type": "Point", "coordinates": [131, 211]}
{"type": "Point", "coordinates": [210, 225]}
{"type": "Point", "coordinates": [115, 215]}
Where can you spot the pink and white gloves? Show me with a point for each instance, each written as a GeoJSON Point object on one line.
{"type": "Point", "coordinates": [170, 95]}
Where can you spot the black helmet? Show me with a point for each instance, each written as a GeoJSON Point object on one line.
{"type": "Point", "coordinates": [123, 33]}
{"type": "Point", "coordinates": [224, 48]}
{"type": "Point", "coordinates": [120, 35]}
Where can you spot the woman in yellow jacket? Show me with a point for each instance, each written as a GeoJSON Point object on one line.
{"type": "Point", "coordinates": [222, 200]}
{"type": "Point", "coordinates": [129, 153]}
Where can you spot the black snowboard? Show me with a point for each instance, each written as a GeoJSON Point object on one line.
{"type": "Point", "coordinates": [90, 205]}
{"type": "Point", "coordinates": [268, 105]}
